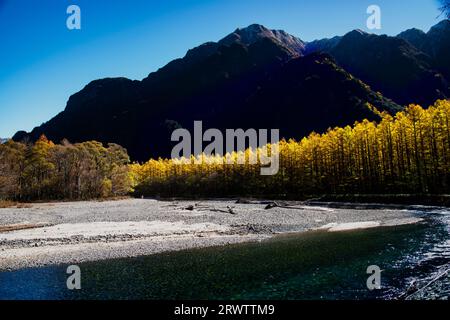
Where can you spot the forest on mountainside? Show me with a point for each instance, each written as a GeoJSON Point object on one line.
{"type": "Point", "coordinates": [405, 153]}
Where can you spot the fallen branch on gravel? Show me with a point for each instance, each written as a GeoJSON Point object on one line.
{"type": "Point", "coordinates": [199, 207]}
{"type": "Point", "coordinates": [16, 227]}
{"type": "Point", "coordinates": [229, 210]}
{"type": "Point", "coordinates": [283, 206]}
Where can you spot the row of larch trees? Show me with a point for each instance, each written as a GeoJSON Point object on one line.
{"type": "Point", "coordinates": [405, 153]}
{"type": "Point", "coordinates": [44, 170]}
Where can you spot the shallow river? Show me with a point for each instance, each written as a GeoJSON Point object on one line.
{"type": "Point", "coordinates": [313, 265]}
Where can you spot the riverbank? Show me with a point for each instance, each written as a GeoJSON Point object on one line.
{"type": "Point", "coordinates": [73, 232]}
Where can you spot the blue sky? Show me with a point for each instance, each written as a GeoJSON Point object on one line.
{"type": "Point", "coordinates": [42, 62]}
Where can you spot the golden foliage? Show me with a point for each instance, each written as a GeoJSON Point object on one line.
{"type": "Point", "coordinates": [44, 171]}
{"type": "Point", "coordinates": [407, 153]}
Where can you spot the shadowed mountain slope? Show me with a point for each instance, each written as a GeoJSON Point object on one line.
{"type": "Point", "coordinates": [253, 78]}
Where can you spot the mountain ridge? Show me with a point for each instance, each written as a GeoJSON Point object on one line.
{"type": "Point", "coordinates": [215, 82]}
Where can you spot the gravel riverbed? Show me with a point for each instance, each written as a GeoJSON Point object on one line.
{"type": "Point", "coordinates": [72, 232]}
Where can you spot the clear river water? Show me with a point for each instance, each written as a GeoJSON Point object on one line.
{"type": "Point", "coordinates": [313, 265]}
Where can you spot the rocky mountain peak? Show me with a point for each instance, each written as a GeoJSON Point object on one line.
{"type": "Point", "coordinates": [256, 32]}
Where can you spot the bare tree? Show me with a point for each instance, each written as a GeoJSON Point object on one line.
{"type": "Point", "coordinates": [445, 7]}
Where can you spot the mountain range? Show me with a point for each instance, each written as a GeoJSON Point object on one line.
{"type": "Point", "coordinates": [259, 78]}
